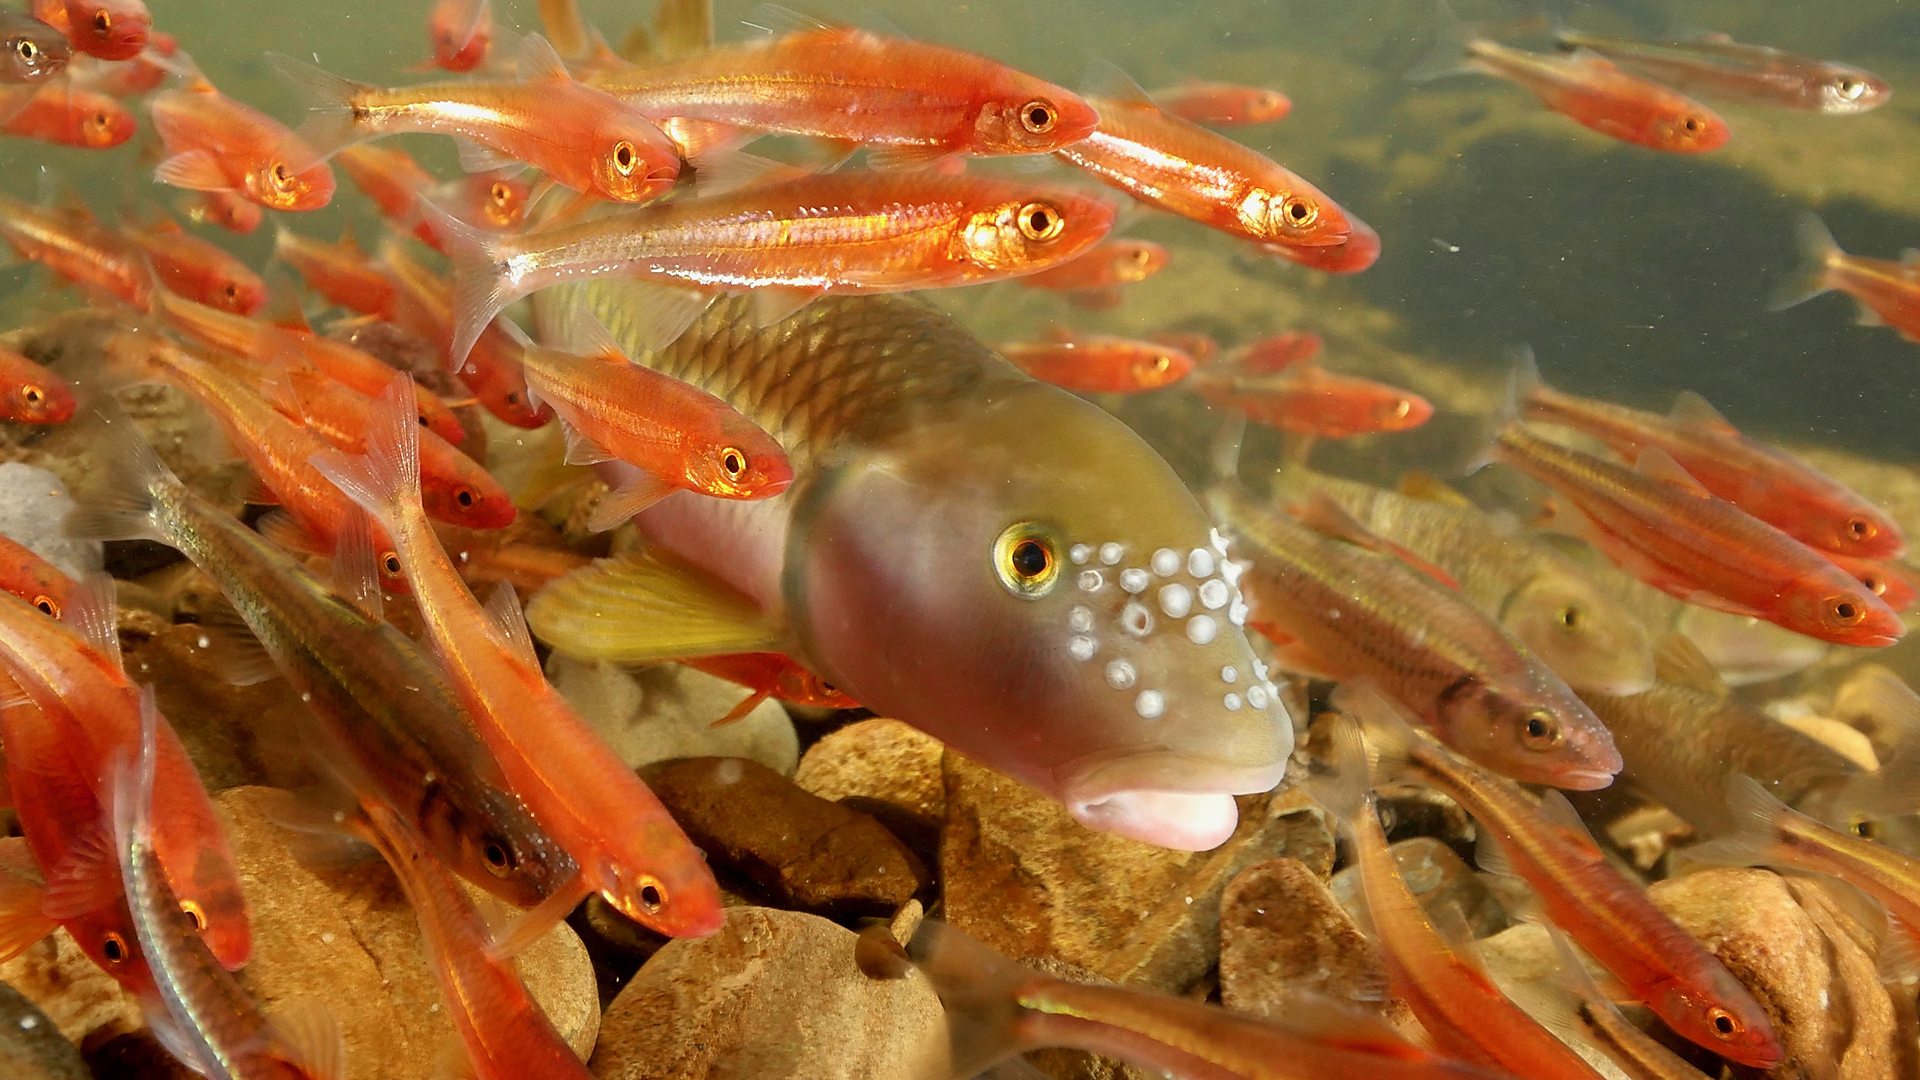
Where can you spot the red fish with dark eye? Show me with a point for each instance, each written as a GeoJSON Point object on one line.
{"type": "Point", "coordinates": [1894, 583]}
{"type": "Point", "coordinates": [215, 143]}
{"type": "Point", "coordinates": [341, 272]}
{"type": "Point", "coordinates": [1100, 364]}
{"type": "Point", "coordinates": [198, 270]}
{"type": "Point", "coordinates": [1217, 104]}
{"type": "Point", "coordinates": [140, 75]}
{"type": "Point", "coordinates": [771, 675]}
{"type": "Point", "coordinates": [395, 183]}
{"type": "Point", "coordinates": [74, 246]}
{"type": "Point", "coordinates": [230, 212]}
{"type": "Point", "coordinates": [30, 394]}
{"type": "Point", "coordinates": [69, 117]}
{"type": "Point", "coordinates": [1283, 388]}
{"type": "Point", "coordinates": [108, 29]}
{"type": "Point", "coordinates": [1360, 251]}
{"type": "Point", "coordinates": [423, 303]}
{"type": "Point", "coordinates": [495, 201]}
{"type": "Point", "coordinates": [35, 580]}
{"type": "Point", "coordinates": [1107, 265]}
{"type": "Point", "coordinates": [461, 31]}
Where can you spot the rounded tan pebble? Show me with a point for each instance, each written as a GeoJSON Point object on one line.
{"type": "Point", "coordinates": [883, 762]}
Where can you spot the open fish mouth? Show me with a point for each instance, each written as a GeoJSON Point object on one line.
{"type": "Point", "coordinates": [1167, 799]}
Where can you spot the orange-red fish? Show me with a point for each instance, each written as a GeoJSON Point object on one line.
{"type": "Point", "coordinates": [1278, 353]}
{"type": "Point", "coordinates": [268, 344]}
{"type": "Point", "coordinates": [628, 848]}
{"type": "Point", "coordinates": [1892, 582]}
{"type": "Point", "coordinates": [505, 1032]}
{"type": "Point", "coordinates": [1224, 104]}
{"type": "Point", "coordinates": [1301, 397]}
{"type": "Point", "coordinates": [215, 143]}
{"type": "Point", "coordinates": [1608, 914]}
{"type": "Point", "coordinates": [395, 183]}
{"type": "Point", "coordinates": [69, 671]}
{"type": "Point", "coordinates": [30, 50]}
{"type": "Point", "coordinates": [496, 201]}
{"type": "Point", "coordinates": [1888, 292]}
{"type": "Point", "coordinates": [1185, 169]}
{"type": "Point", "coordinates": [1099, 363]}
{"type": "Point", "coordinates": [1770, 484]}
{"type": "Point", "coordinates": [340, 272]}
{"type": "Point", "coordinates": [786, 243]}
{"type": "Point", "coordinates": [76, 248]}
{"type": "Point", "coordinates": [680, 437]}
{"type": "Point", "coordinates": [996, 1009]}
{"type": "Point", "coordinates": [492, 368]}
{"type": "Point", "coordinates": [1584, 87]}
{"type": "Point", "coordinates": [30, 394]}
{"type": "Point", "coordinates": [35, 580]}
{"type": "Point", "coordinates": [1360, 251]}
{"type": "Point", "coordinates": [771, 675]}
{"type": "Point", "coordinates": [225, 209]}
{"type": "Point", "coordinates": [143, 73]}
{"type": "Point", "coordinates": [576, 134]}
{"type": "Point", "coordinates": [1449, 992]}
{"type": "Point", "coordinates": [1659, 524]}
{"type": "Point", "coordinates": [108, 29]}
{"type": "Point", "coordinates": [1109, 264]}
{"type": "Point", "coordinates": [202, 272]}
{"type": "Point", "coordinates": [461, 31]}
{"type": "Point", "coordinates": [70, 117]}
{"type": "Point", "coordinates": [1202, 347]}
{"type": "Point", "coordinates": [908, 102]}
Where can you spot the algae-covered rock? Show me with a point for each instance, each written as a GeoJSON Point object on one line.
{"type": "Point", "coordinates": [773, 994]}
{"type": "Point", "coordinates": [667, 711]}
{"type": "Point", "coordinates": [805, 851]}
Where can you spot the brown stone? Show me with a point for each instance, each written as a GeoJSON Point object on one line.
{"type": "Point", "coordinates": [884, 767]}
{"type": "Point", "coordinates": [235, 735]}
{"type": "Point", "coordinates": [805, 851]}
{"type": "Point", "coordinates": [1438, 878]}
{"type": "Point", "coordinates": [1282, 933]}
{"type": "Point", "coordinates": [773, 994]}
{"type": "Point", "coordinates": [31, 1048]}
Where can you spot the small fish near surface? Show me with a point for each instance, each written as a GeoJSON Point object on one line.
{"type": "Point", "coordinates": [1718, 66]}
{"type": "Point", "coordinates": [1099, 363]}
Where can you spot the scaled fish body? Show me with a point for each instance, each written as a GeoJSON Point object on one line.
{"type": "Point", "coordinates": [30, 394]}
{"type": "Point", "coordinates": [218, 144]}
{"type": "Point", "coordinates": [492, 368]}
{"type": "Point", "coordinates": [382, 705]}
{"type": "Point", "coordinates": [1343, 611]}
{"type": "Point", "coordinates": [202, 272]}
{"type": "Point", "coordinates": [1718, 66]}
{"type": "Point", "coordinates": [1308, 400]}
{"type": "Point", "coordinates": [1055, 608]}
{"type": "Point", "coordinates": [108, 29]}
{"type": "Point", "coordinates": [1658, 523]}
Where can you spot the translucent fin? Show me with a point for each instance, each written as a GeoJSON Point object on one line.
{"type": "Point", "coordinates": [280, 528]}
{"type": "Point", "coordinates": [478, 157]}
{"type": "Point", "coordinates": [538, 62]}
{"type": "Point", "coordinates": [1343, 790]}
{"type": "Point", "coordinates": [1523, 377]}
{"type": "Point", "coordinates": [1323, 515]}
{"type": "Point", "coordinates": [581, 449]}
{"type": "Point", "coordinates": [1677, 660]}
{"type": "Point", "coordinates": [1691, 408]}
{"type": "Point", "coordinates": [1272, 355]}
{"type": "Point", "coordinates": [747, 704]}
{"type": "Point", "coordinates": [91, 614]}
{"type": "Point", "coordinates": [1490, 857]}
{"type": "Point", "coordinates": [1754, 811]}
{"type": "Point", "coordinates": [509, 626]}
{"type": "Point", "coordinates": [87, 879]}
{"type": "Point", "coordinates": [120, 504]}
{"type": "Point", "coordinates": [328, 99]}
{"type": "Point", "coordinates": [1656, 464]}
{"type": "Point", "coordinates": [356, 575]}
{"type": "Point", "coordinates": [639, 609]}
{"type": "Point", "coordinates": [532, 925]}
{"type": "Point", "coordinates": [195, 170]}
{"type": "Point", "coordinates": [387, 478]}
{"type": "Point", "coordinates": [683, 27]}
{"type": "Point", "coordinates": [313, 1039]}
{"type": "Point", "coordinates": [719, 168]}
{"type": "Point", "coordinates": [654, 315]}
{"type": "Point", "coordinates": [1105, 79]}
{"type": "Point", "coordinates": [1448, 56]}
{"type": "Point", "coordinates": [23, 918]}
{"type": "Point", "coordinates": [902, 157]}
{"type": "Point", "coordinates": [638, 492]}
{"type": "Point", "coordinates": [234, 653]}
{"type": "Point", "coordinates": [771, 306]}
{"type": "Point", "coordinates": [776, 19]}
{"type": "Point", "coordinates": [1809, 279]}
{"type": "Point", "coordinates": [480, 284]}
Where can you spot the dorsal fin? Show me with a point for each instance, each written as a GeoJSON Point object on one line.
{"type": "Point", "coordinates": [1677, 660]}
{"type": "Point", "coordinates": [283, 306]}
{"type": "Point", "coordinates": [1656, 464]}
{"type": "Point", "coordinates": [1321, 514]}
{"type": "Point", "coordinates": [356, 577]}
{"type": "Point", "coordinates": [91, 614]}
{"type": "Point", "coordinates": [1105, 79]}
{"type": "Point", "coordinates": [1691, 408]}
{"type": "Point", "coordinates": [1556, 810]}
{"type": "Point", "coordinates": [509, 626]}
{"type": "Point", "coordinates": [537, 62]}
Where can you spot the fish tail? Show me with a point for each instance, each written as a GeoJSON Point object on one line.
{"type": "Point", "coordinates": [1893, 789]}
{"type": "Point", "coordinates": [330, 123]}
{"type": "Point", "coordinates": [482, 284]}
{"type": "Point", "coordinates": [123, 504]}
{"type": "Point", "coordinates": [1809, 279]}
{"type": "Point", "coordinates": [1755, 813]}
{"type": "Point", "coordinates": [1343, 790]}
{"type": "Point", "coordinates": [1390, 739]}
{"type": "Point", "coordinates": [1522, 381]}
{"type": "Point", "coordinates": [1450, 53]}
{"type": "Point", "coordinates": [981, 991]}
{"type": "Point", "coordinates": [385, 481]}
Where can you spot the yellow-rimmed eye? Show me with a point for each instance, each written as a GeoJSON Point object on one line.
{"type": "Point", "coordinates": [625, 157]}
{"type": "Point", "coordinates": [48, 605]}
{"type": "Point", "coordinates": [1725, 1024]}
{"type": "Point", "coordinates": [653, 895]}
{"type": "Point", "coordinates": [1039, 221]}
{"type": "Point", "coordinates": [1541, 731]}
{"type": "Point", "coordinates": [103, 22]}
{"type": "Point", "coordinates": [1846, 610]}
{"type": "Point", "coordinates": [196, 916]}
{"type": "Point", "coordinates": [1026, 560]}
{"type": "Point", "coordinates": [498, 856]}
{"type": "Point", "coordinates": [281, 176]}
{"type": "Point", "coordinates": [28, 51]}
{"type": "Point", "coordinates": [1850, 89]}
{"type": "Point", "coordinates": [1298, 213]}
{"type": "Point", "coordinates": [114, 949]}
{"type": "Point", "coordinates": [1039, 116]}
{"type": "Point", "coordinates": [32, 394]}
{"type": "Point", "coordinates": [499, 193]}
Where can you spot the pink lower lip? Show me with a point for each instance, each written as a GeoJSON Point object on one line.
{"type": "Point", "coordinates": [1583, 781]}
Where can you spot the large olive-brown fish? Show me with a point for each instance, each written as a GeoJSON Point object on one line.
{"type": "Point", "coordinates": [977, 553]}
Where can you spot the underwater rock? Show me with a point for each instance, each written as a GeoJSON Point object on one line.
{"type": "Point", "coordinates": [31, 1047]}
{"type": "Point", "coordinates": [34, 505]}
{"type": "Point", "coordinates": [884, 767]}
{"type": "Point", "coordinates": [1282, 933]}
{"type": "Point", "coordinates": [234, 735]}
{"type": "Point", "coordinates": [1439, 878]}
{"type": "Point", "coordinates": [345, 936]}
{"type": "Point", "coordinates": [773, 994]}
{"type": "Point", "coordinates": [805, 851]}
{"type": "Point", "coordinates": [64, 985]}
{"type": "Point", "coordinates": [1801, 955]}
{"type": "Point", "coordinates": [667, 711]}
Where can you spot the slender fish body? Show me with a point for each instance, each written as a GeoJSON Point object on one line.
{"type": "Point", "coordinates": [76, 248]}
{"type": "Point", "coordinates": [1888, 292]}
{"type": "Point", "coordinates": [218, 144]}
{"type": "Point", "coordinates": [1099, 363]}
{"type": "Point", "coordinates": [30, 394]}
{"type": "Point", "coordinates": [340, 272]}
{"type": "Point", "coordinates": [68, 116]}
{"type": "Point", "coordinates": [1718, 66]}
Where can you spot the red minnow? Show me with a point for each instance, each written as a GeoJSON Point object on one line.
{"type": "Point", "coordinates": [1446, 988]}
{"type": "Point", "coordinates": [35, 580]}
{"type": "Point", "coordinates": [1888, 292]}
{"type": "Point", "coordinates": [1894, 583]}
{"type": "Point", "coordinates": [496, 201]}
{"type": "Point", "coordinates": [908, 102]}
{"type": "Point", "coordinates": [1770, 484]}
{"type": "Point", "coordinates": [1584, 87]}
{"type": "Point", "coordinates": [225, 209]}
{"type": "Point", "coordinates": [108, 29]}
{"type": "Point", "coordinates": [1360, 251]}
{"type": "Point", "coordinates": [1218, 104]}
{"type": "Point", "coordinates": [394, 181]}
{"type": "Point", "coordinates": [1106, 265]}
{"type": "Point", "coordinates": [68, 116]}
{"type": "Point", "coordinates": [576, 134]}
{"type": "Point", "coordinates": [30, 394]}
{"type": "Point", "coordinates": [340, 272]}
{"type": "Point", "coordinates": [1718, 66]}
{"type": "Point", "coordinates": [1099, 363]}
{"type": "Point", "coordinates": [492, 368]}
{"type": "Point", "coordinates": [771, 675]}
{"type": "Point", "coordinates": [461, 31]}
{"type": "Point", "coordinates": [1611, 916]}
{"type": "Point", "coordinates": [215, 143]}
{"type": "Point", "coordinates": [628, 848]}
{"type": "Point", "coordinates": [76, 248]}
{"type": "Point", "coordinates": [786, 243]}
{"type": "Point", "coordinates": [1278, 385]}
{"type": "Point", "coordinates": [1185, 169]}
{"type": "Point", "coordinates": [997, 1009]}
{"type": "Point", "coordinates": [1657, 522]}
{"type": "Point", "coordinates": [200, 271]}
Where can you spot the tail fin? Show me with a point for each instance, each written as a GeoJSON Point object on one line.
{"type": "Point", "coordinates": [1343, 790]}
{"type": "Point", "coordinates": [1754, 812]}
{"type": "Point", "coordinates": [122, 504]}
{"type": "Point", "coordinates": [1522, 380]}
{"type": "Point", "coordinates": [329, 100]}
{"type": "Point", "coordinates": [980, 990]}
{"type": "Point", "coordinates": [1449, 54]}
{"type": "Point", "coordinates": [1808, 280]}
{"type": "Point", "coordinates": [386, 480]}
{"type": "Point", "coordinates": [1390, 740]}
{"type": "Point", "coordinates": [1892, 790]}
{"type": "Point", "coordinates": [481, 283]}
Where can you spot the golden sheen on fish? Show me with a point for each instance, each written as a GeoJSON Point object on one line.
{"type": "Point", "coordinates": [979, 554]}
{"type": "Point", "coordinates": [1552, 605]}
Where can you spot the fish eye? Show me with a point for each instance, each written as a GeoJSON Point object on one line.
{"type": "Point", "coordinates": [464, 497]}
{"type": "Point", "coordinates": [1850, 88]}
{"type": "Point", "coordinates": [114, 948]}
{"type": "Point", "coordinates": [1298, 212]}
{"type": "Point", "coordinates": [500, 193]}
{"type": "Point", "coordinates": [1541, 732]}
{"type": "Point", "coordinates": [499, 858]}
{"type": "Point", "coordinates": [282, 178]}
{"type": "Point", "coordinates": [196, 916]}
{"type": "Point", "coordinates": [1693, 124]}
{"type": "Point", "coordinates": [1039, 116]}
{"type": "Point", "coordinates": [1846, 610]}
{"type": "Point", "coordinates": [1039, 221]}
{"type": "Point", "coordinates": [1025, 560]}
{"type": "Point", "coordinates": [1141, 256]}
{"type": "Point", "coordinates": [231, 291]}
{"type": "Point", "coordinates": [733, 463]}
{"type": "Point", "coordinates": [624, 157]}
{"type": "Point", "coordinates": [1875, 584]}
{"type": "Point", "coordinates": [653, 896]}
{"type": "Point", "coordinates": [1861, 529]}
{"type": "Point", "coordinates": [1570, 616]}
{"type": "Point", "coordinates": [32, 394]}
{"type": "Point", "coordinates": [48, 605]}
{"type": "Point", "coordinates": [1725, 1024]}
{"type": "Point", "coordinates": [103, 21]}
{"type": "Point", "coordinates": [29, 51]}
{"type": "Point", "coordinates": [390, 562]}
{"type": "Point", "coordinates": [1400, 408]}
